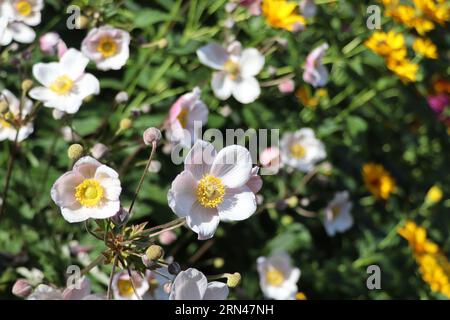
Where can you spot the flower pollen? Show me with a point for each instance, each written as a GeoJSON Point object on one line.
{"type": "Point", "coordinates": [24, 8]}
{"type": "Point", "coordinates": [274, 277]}
{"type": "Point", "coordinates": [297, 151]}
{"type": "Point", "coordinates": [62, 85]}
{"type": "Point", "coordinates": [89, 193]}
{"type": "Point", "coordinates": [107, 47]}
{"type": "Point", "coordinates": [210, 191]}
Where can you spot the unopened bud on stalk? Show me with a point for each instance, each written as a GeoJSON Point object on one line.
{"type": "Point", "coordinates": [121, 97]}
{"type": "Point", "coordinates": [22, 288]}
{"type": "Point", "coordinates": [75, 151]}
{"type": "Point", "coordinates": [434, 195]}
{"type": "Point", "coordinates": [151, 135]}
{"type": "Point", "coordinates": [154, 252]}
{"type": "Point", "coordinates": [125, 124]}
{"type": "Point", "coordinates": [234, 279]}
{"type": "Point", "coordinates": [218, 263]}
{"type": "Point", "coordinates": [27, 84]}
{"type": "Point", "coordinates": [81, 22]}
{"type": "Point", "coordinates": [174, 268]}
{"type": "Point", "coordinates": [292, 202]}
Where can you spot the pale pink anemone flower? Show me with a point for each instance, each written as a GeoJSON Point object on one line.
{"type": "Point", "coordinates": [126, 288]}
{"type": "Point", "coordinates": [338, 217]}
{"type": "Point", "coordinates": [287, 86]}
{"type": "Point", "coordinates": [214, 187]}
{"type": "Point", "coordinates": [192, 284]}
{"type": "Point", "coordinates": [16, 17]}
{"type": "Point", "coordinates": [89, 190]}
{"type": "Point", "coordinates": [65, 84]}
{"type": "Point", "coordinates": [108, 47]}
{"type": "Point", "coordinates": [79, 291]}
{"type": "Point", "coordinates": [186, 117]}
{"type": "Point", "coordinates": [167, 237]}
{"type": "Point", "coordinates": [14, 113]}
{"type": "Point", "coordinates": [315, 72]}
{"type": "Point", "coordinates": [236, 73]}
{"type": "Point", "coordinates": [270, 158]}
{"type": "Point", "coordinates": [52, 44]}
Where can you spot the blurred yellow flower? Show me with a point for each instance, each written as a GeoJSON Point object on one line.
{"type": "Point", "coordinates": [434, 195]}
{"type": "Point", "coordinates": [390, 44]}
{"type": "Point", "coordinates": [378, 180]}
{"type": "Point", "coordinates": [437, 10]}
{"type": "Point", "coordinates": [300, 296]}
{"type": "Point", "coordinates": [417, 238]}
{"type": "Point", "coordinates": [305, 98]}
{"type": "Point", "coordinates": [422, 25]}
{"type": "Point", "coordinates": [405, 69]}
{"type": "Point", "coordinates": [282, 14]}
{"type": "Point", "coordinates": [407, 15]}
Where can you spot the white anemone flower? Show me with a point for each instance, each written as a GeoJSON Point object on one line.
{"type": "Point", "coordinates": [338, 217]}
{"type": "Point", "coordinates": [213, 187]}
{"type": "Point", "coordinates": [65, 84]}
{"type": "Point", "coordinates": [89, 190]}
{"type": "Point", "coordinates": [79, 291]}
{"type": "Point", "coordinates": [301, 150]}
{"type": "Point", "coordinates": [236, 71]}
{"type": "Point", "coordinates": [126, 288]}
{"type": "Point", "coordinates": [19, 16]}
{"type": "Point", "coordinates": [191, 284]}
{"type": "Point", "coordinates": [108, 47]}
{"type": "Point", "coordinates": [15, 115]}
{"type": "Point", "coordinates": [277, 277]}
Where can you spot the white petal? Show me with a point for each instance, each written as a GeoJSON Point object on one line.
{"type": "Point", "coordinates": [63, 190]}
{"type": "Point", "coordinates": [212, 55]}
{"type": "Point", "coordinates": [76, 214]}
{"type": "Point", "coordinates": [73, 63]}
{"type": "Point", "coordinates": [80, 289]}
{"type": "Point", "coordinates": [238, 204]}
{"type": "Point", "coordinates": [86, 166]}
{"type": "Point", "coordinates": [116, 62]}
{"type": "Point", "coordinates": [246, 90]}
{"type": "Point", "coordinates": [216, 291]}
{"type": "Point", "coordinates": [222, 85]}
{"type": "Point", "coordinates": [233, 165]}
{"type": "Point", "coordinates": [46, 73]}
{"type": "Point", "coordinates": [203, 221]}
{"type": "Point", "coordinates": [33, 19]}
{"type": "Point", "coordinates": [87, 85]}
{"type": "Point", "coordinates": [22, 33]}
{"type": "Point", "coordinates": [181, 196]}
{"type": "Point", "coordinates": [6, 37]}
{"type": "Point", "coordinates": [189, 285]}
{"type": "Point", "coordinates": [111, 188]}
{"type": "Point", "coordinates": [107, 210]}
{"type": "Point", "coordinates": [11, 100]}
{"type": "Point", "coordinates": [199, 159]}
{"type": "Point", "coordinates": [251, 62]}
{"type": "Point", "coordinates": [42, 94]}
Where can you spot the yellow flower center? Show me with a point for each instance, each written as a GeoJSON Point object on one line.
{"type": "Point", "coordinates": [274, 277]}
{"type": "Point", "coordinates": [89, 193]}
{"type": "Point", "coordinates": [210, 191]}
{"type": "Point", "coordinates": [125, 287]}
{"type": "Point", "coordinates": [5, 120]}
{"type": "Point", "coordinates": [107, 47]}
{"type": "Point", "coordinates": [232, 68]}
{"type": "Point", "coordinates": [297, 151]}
{"type": "Point", "coordinates": [62, 85]}
{"type": "Point", "coordinates": [24, 8]}
{"type": "Point", "coordinates": [183, 117]}
{"type": "Point", "coordinates": [336, 210]}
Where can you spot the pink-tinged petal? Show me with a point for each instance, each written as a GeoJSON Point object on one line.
{"type": "Point", "coordinates": [246, 90]}
{"type": "Point", "coordinates": [182, 194]}
{"type": "Point", "coordinates": [199, 159]}
{"type": "Point", "coordinates": [87, 166]}
{"type": "Point", "coordinates": [216, 291]}
{"type": "Point", "coordinates": [190, 284]}
{"type": "Point", "coordinates": [46, 73]}
{"type": "Point", "coordinates": [238, 204]}
{"type": "Point", "coordinates": [287, 86]}
{"type": "Point", "coordinates": [213, 56]}
{"type": "Point", "coordinates": [222, 85]}
{"type": "Point", "coordinates": [80, 290]}
{"type": "Point", "coordinates": [255, 183]}
{"type": "Point", "coordinates": [251, 62]}
{"type": "Point", "coordinates": [233, 164]}
{"type": "Point", "coordinates": [104, 172]}
{"type": "Point", "coordinates": [203, 221]}
{"type": "Point", "coordinates": [63, 190]}
{"type": "Point", "coordinates": [22, 33]}
{"type": "Point", "coordinates": [73, 62]}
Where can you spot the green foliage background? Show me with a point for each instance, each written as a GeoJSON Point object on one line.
{"type": "Point", "coordinates": [368, 116]}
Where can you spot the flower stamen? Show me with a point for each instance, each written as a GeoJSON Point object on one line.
{"type": "Point", "coordinates": [210, 191]}
{"type": "Point", "coordinates": [89, 193]}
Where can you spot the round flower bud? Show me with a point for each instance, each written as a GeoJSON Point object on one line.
{"type": "Point", "coordinates": [434, 195]}
{"type": "Point", "coordinates": [154, 252]}
{"type": "Point", "coordinates": [174, 268]}
{"type": "Point", "coordinates": [75, 151]}
{"type": "Point", "coordinates": [125, 124]}
{"type": "Point", "coordinates": [82, 22]}
{"type": "Point", "coordinates": [233, 280]}
{"type": "Point", "coordinates": [121, 97]}
{"type": "Point", "coordinates": [22, 288]}
{"type": "Point", "coordinates": [27, 84]}
{"type": "Point", "coordinates": [151, 135]}
{"type": "Point", "coordinates": [218, 263]}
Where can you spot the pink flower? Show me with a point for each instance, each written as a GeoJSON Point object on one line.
{"type": "Point", "coordinates": [167, 237]}
{"type": "Point", "coordinates": [253, 6]}
{"type": "Point", "coordinates": [315, 72]}
{"type": "Point", "coordinates": [51, 43]}
{"type": "Point", "coordinates": [439, 102]}
{"type": "Point", "coordinates": [287, 86]}
{"type": "Point", "coordinates": [186, 116]}
{"type": "Point", "coordinates": [270, 158]}
{"type": "Point", "coordinates": [22, 288]}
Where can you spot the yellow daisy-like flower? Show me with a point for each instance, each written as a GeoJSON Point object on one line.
{"type": "Point", "coordinates": [405, 69]}
{"type": "Point", "coordinates": [378, 180]}
{"type": "Point", "coordinates": [281, 14]}
{"type": "Point", "coordinates": [390, 44]}
{"type": "Point", "coordinates": [422, 25]}
{"type": "Point", "coordinates": [417, 238]}
{"type": "Point", "coordinates": [425, 47]}
{"type": "Point", "coordinates": [437, 10]}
